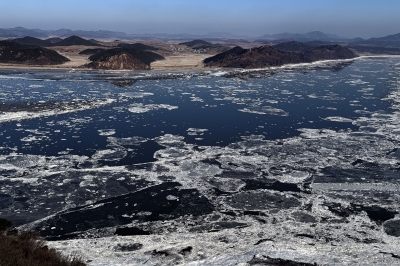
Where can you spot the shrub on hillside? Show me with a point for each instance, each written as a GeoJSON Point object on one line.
{"type": "Point", "coordinates": [28, 249]}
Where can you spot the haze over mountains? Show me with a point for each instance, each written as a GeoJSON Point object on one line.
{"type": "Point", "coordinates": [116, 50]}
{"type": "Point", "coordinates": [105, 34]}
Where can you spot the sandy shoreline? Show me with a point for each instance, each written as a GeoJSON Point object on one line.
{"type": "Point", "coordinates": [174, 62]}
{"type": "Point", "coordinates": [182, 62]}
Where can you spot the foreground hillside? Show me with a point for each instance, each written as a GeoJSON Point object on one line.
{"type": "Point", "coordinates": [27, 248]}
{"type": "Point", "coordinates": [265, 56]}
{"type": "Point", "coordinates": [14, 53]}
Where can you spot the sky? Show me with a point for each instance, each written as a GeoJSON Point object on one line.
{"type": "Point", "coordinates": [346, 18]}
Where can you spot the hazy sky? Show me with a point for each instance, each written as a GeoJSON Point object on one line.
{"type": "Point", "coordinates": [348, 18]}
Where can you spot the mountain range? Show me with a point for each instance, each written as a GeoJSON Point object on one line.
{"type": "Point", "coordinates": [38, 33]}
{"type": "Point", "coordinates": [104, 34]}
{"type": "Point", "coordinates": [309, 36]}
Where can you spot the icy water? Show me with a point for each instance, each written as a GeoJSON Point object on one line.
{"type": "Point", "coordinates": [305, 154]}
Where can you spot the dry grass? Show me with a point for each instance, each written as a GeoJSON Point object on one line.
{"type": "Point", "coordinates": [182, 61]}
{"type": "Point", "coordinates": [28, 249]}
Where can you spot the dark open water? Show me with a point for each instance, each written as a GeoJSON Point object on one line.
{"type": "Point", "coordinates": [88, 154]}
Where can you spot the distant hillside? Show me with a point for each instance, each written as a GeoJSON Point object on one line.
{"type": "Point", "coordinates": [89, 34]}
{"type": "Point", "coordinates": [21, 32]}
{"type": "Point", "coordinates": [266, 56]}
{"type": "Point", "coordinates": [198, 44]}
{"type": "Point", "coordinates": [204, 45]}
{"type": "Point", "coordinates": [309, 36]}
{"type": "Point", "coordinates": [371, 49]}
{"type": "Point", "coordinates": [15, 53]}
{"type": "Point", "coordinates": [123, 58]}
{"type": "Point", "coordinates": [32, 41]}
{"type": "Point", "coordinates": [74, 40]}
{"type": "Point", "coordinates": [91, 51]}
{"type": "Point", "coordinates": [385, 45]}
{"type": "Point", "coordinates": [387, 41]}
{"type": "Point", "coordinates": [292, 46]}
{"type": "Point", "coordinates": [137, 46]}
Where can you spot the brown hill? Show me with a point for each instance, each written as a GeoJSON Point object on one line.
{"type": "Point", "coordinates": [266, 56]}
{"type": "Point", "coordinates": [123, 58]}
{"type": "Point", "coordinates": [118, 62]}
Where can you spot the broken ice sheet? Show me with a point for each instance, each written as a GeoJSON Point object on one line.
{"type": "Point", "coordinates": [196, 131]}
{"type": "Point", "coordinates": [229, 176]}
{"type": "Point", "coordinates": [131, 141]}
{"type": "Point", "coordinates": [109, 155]}
{"type": "Point", "coordinates": [106, 132]}
{"type": "Point", "coordinates": [294, 177]}
{"type": "Point", "coordinates": [338, 119]}
{"type": "Point", "coordinates": [264, 110]}
{"type": "Point", "coordinates": [136, 94]}
{"type": "Point", "coordinates": [170, 140]}
{"type": "Point", "coordinates": [63, 109]}
{"type": "Point", "coordinates": [139, 108]}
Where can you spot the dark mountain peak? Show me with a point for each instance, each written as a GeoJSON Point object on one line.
{"type": "Point", "coordinates": [137, 46]}
{"type": "Point", "coordinates": [236, 50]}
{"type": "Point", "coordinates": [15, 53]}
{"type": "Point", "coordinates": [27, 40]}
{"type": "Point", "coordinates": [201, 44]}
{"type": "Point", "coordinates": [75, 40]}
{"type": "Point", "coordinates": [123, 58]}
{"type": "Point", "coordinates": [232, 53]}
{"type": "Point", "coordinates": [256, 57]}
{"type": "Point", "coordinates": [196, 43]}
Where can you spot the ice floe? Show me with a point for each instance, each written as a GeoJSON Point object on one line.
{"type": "Point", "coordinates": [144, 108]}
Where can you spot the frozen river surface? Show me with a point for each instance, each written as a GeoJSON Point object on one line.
{"type": "Point", "coordinates": [297, 163]}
